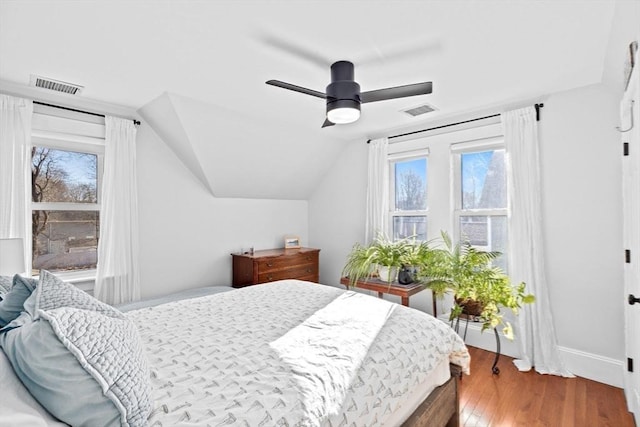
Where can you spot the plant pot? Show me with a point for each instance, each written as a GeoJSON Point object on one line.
{"type": "Point", "coordinates": [407, 274]}
{"type": "Point", "coordinates": [470, 307]}
{"type": "Point", "coordinates": [387, 274]}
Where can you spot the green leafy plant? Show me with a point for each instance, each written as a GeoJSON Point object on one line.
{"type": "Point", "coordinates": [417, 253]}
{"type": "Point", "coordinates": [467, 273]}
{"type": "Point", "coordinates": [363, 261]}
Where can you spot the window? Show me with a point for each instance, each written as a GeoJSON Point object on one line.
{"type": "Point", "coordinates": [481, 198]}
{"type": "Point", "coordinates": [65, 209]}
{"type": "Point", "coordinates": [454, 182]}
{"type": "Point", "coordinates": [408, 196]}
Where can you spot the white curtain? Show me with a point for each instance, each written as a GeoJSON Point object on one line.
{"type": "Point", "coordinates": [535, 331]}
{"type": "Point", "coordinates": [117, 279]}
{"type": "Point", "coordinates": [377, 189]}
{"type": "Point", "coordinates": [15, 159]}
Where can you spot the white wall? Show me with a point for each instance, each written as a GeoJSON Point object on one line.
{"type": "Point", "coordinates": [580, 156]}
{"type": "Point", "coordinates": [336, 210]}
{"type": "Point", "coordinates": [187, 235]}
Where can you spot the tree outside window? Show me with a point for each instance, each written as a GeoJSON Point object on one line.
{"type": "Point", "coordinates": [409, 198]}
{"type": "Point", "coordinates": [65, 210]}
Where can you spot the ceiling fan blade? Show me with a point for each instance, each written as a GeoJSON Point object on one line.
{"type": "Point", "coordinates": [395, 52]}
{"type": "Point", "coordinates": [327, 123]}
{"type": "Point", "coordinates": [295, 88]}
{"type": "Point", "coordinates": [396, 92]}
{"type": "Point", "coordinates": [287, 43]}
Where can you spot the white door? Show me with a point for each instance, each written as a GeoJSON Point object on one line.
{"type": "Point", "coordinates": [631, 238]}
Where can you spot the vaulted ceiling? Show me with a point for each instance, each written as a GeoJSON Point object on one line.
{"type": "Point", "coordinates": [196, 70]}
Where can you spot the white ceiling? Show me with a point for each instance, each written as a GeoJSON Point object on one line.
{"type": "Point", "coordinates": [196, 70]}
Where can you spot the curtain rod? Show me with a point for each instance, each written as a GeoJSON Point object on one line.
{"type": "Point", "coordinates": [135, 122]}
{"type": "Point", "coordinates": [536, 106]}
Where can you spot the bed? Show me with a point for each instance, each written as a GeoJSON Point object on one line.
{"type": "Point", "coordinates": [289, 353]}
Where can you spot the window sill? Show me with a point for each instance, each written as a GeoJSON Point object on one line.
{"type": "Point", "coordinates": [84, 280]}
{"type": "Point", "coordinates": [75, 276]}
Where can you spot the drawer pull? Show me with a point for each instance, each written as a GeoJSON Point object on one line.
{"type": "Point", "coordinates": [308, 270]}
{"type": "Point", "coordinates": [269, 264]}
{"type": "Point", "coordinates": [269, 278]}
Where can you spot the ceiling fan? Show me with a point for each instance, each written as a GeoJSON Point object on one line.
{"type": "Point", "coordinates": [344, 97]}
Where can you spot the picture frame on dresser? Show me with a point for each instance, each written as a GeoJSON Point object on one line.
{"type": "Point", "coordinates": [291, 242]}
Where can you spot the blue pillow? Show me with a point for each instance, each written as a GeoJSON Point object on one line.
{"type": "Point", "coordinates": [80, 358]}
{"type": "Point", "coordinates": [12, 304]}
{"type": "Point", "coordinates": [55, 377]}
{"type": "Point", "coordinates": [53, 293]}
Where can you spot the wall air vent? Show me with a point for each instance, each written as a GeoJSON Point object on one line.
{"type": "Point", "coordinates": [419, 110]}
{"type": "Point", "coordinates": [56, 85]}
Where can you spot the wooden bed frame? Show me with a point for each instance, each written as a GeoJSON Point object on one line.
{"type": "Point", "coordinates": [441, 407]}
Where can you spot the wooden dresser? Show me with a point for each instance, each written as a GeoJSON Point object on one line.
{"type": "Point", "coordinates": [275, 264]}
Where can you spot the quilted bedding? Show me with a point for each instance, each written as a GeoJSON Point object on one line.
{"type": "Point", "coordinates": [213, 362]}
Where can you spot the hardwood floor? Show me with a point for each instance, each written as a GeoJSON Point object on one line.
{"type": "Point", "coordinates": [515, 398]}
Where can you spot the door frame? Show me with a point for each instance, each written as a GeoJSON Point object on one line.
{"type": "Point", "coordinates": [631, 237]}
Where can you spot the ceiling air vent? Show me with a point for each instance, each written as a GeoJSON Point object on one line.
{"type": "Point", "coordinates": [57, 85]}
{"type": "Point", "coordinates": [419, 110]}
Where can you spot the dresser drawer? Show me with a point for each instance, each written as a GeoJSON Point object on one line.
{"type": "Point", "coordinates": [292, 272]}
{"type": "Point", "coordinates": [288, 261]}
{"type": "Point", "coordinates": [275, 264]}
{"type": "Point", "coordinates": [313, 278]}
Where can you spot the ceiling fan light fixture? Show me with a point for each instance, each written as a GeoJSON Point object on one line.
{"type": "Point", "coordinates": [343, 111]}
{"type": "Point", "coordinates": [341, 116]}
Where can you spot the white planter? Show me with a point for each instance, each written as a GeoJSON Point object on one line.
{"type": "Point", "coordinates": [388, 274]}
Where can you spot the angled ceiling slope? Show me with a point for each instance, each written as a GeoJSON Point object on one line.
{"type": "Point", "coordinates": [161, 115]}
{"type": "Point", "coordinates": [236, 155]}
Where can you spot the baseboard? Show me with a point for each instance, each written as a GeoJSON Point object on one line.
{"type": "Point", "coordinates": [586, 365]}
{"type": "Point", "coordinates": [593, 366]}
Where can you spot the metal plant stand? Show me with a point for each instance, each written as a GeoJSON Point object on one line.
{"type": "Point", "coordinates": [494, 368]}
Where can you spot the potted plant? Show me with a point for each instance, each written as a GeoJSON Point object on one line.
{"type": "Point", "coordinates": [384, 256]}
{"type": "Point", "coordinates": [479, 289]}
{"type": "Point", "coordinates": [416, 254]}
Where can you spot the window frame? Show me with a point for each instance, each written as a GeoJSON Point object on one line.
{"type": "Point", "coordinates": [392, 159]}
{"type": "Point", "coordinates": [65, 133]}
{"type": "Point", "coordinates": [457, 150]}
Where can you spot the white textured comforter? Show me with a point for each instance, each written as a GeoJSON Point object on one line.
{"type": "Point", "coordinates": [213, 360]}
